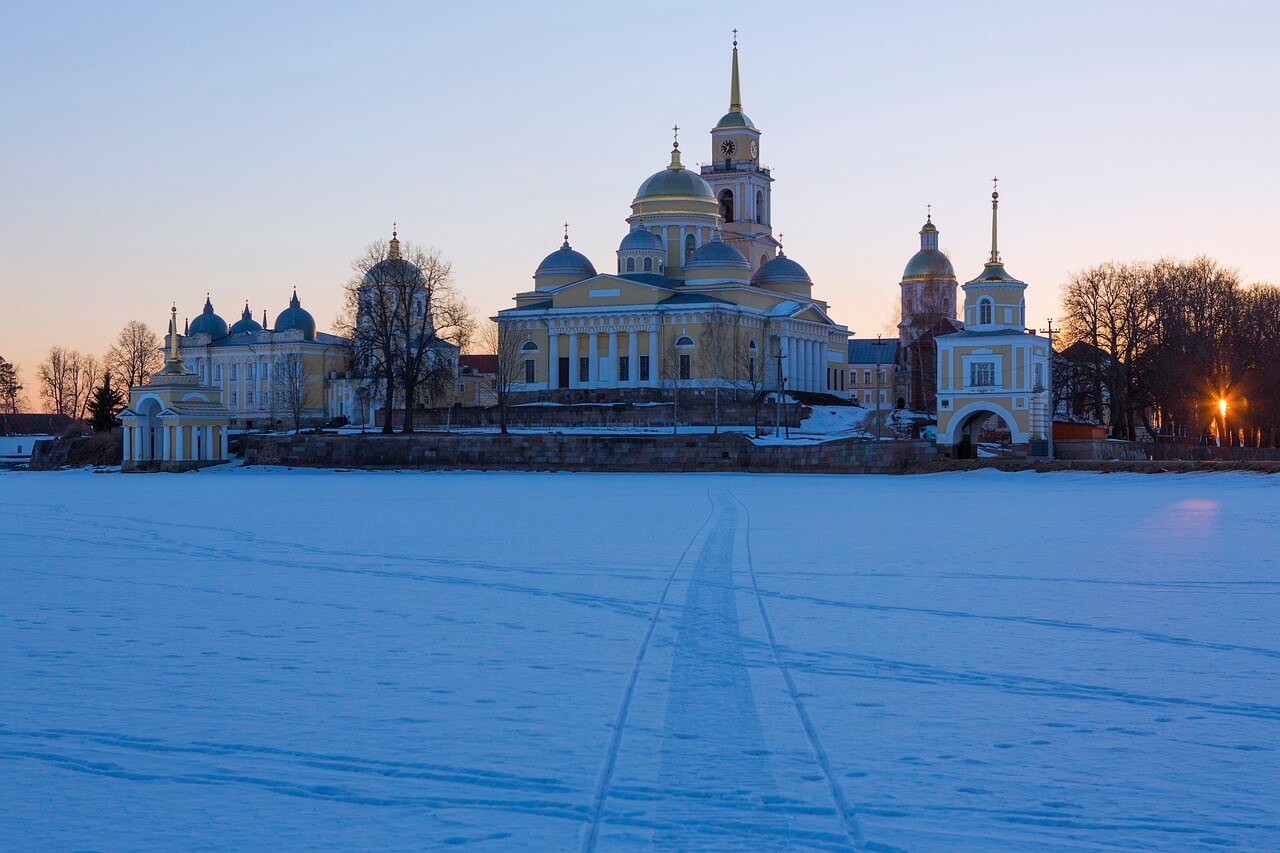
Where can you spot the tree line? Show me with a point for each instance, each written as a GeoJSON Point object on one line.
{"type": "Point", "coordinates": [1172, 349]}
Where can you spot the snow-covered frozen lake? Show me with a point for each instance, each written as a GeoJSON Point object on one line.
{"type": "Point", "coordinates": [253, 658]}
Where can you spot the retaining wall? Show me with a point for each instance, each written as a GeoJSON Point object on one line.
{"type": "Point", "coordinates": [558, 452]}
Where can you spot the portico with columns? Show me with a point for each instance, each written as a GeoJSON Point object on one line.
{"type": "Point", "coordinates": [174, 423]}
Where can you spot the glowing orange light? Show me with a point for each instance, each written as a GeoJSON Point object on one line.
{"type": "Point", "coordinates": [1222, 406]}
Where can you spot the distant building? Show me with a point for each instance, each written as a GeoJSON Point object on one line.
{"type": "Point", "coordinates": [994, 367]}
{"type": "Point", "coordinates": [19, 434]}
{"type": "Point", "coordinates": [876, 379]}
{"type": "Point", "coordinates": [241, 361]}
{"type": "Point", "coordinates": [476, 374]}
{"type": "Point", "coordinates": [176, 422]}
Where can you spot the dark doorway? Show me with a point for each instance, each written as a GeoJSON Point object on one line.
{"type": "Point", "coordinates": [563, 379]}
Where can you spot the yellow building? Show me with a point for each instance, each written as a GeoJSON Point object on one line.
{"type": "Point", "coordinates": [174, 423]}
{"type": "Point", "coordinates": [703, 295]}
{"type": "Point", "coordinates": [260, 370]}
{"type": "Point", "coordinates": [995, 366]}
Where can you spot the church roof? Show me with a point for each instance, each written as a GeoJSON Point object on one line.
{"type": "Point", "coordinates": [863, 351]}
{"type": "Point", "coordinates": [929, 263]}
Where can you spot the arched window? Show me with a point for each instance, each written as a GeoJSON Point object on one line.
{"type": "Point", "coordinates": [985, 311]}
{"type": "Point", "coordinates": [752, 345]}
{"type": "Point", "coordinates": [648, 264]}
{"type": "Point", "coordinates": [684, 342]}
{"type": "Point", "coordinates": [726, 205]}
{"type": "Point", "coordinates": [631, 264]}
{"type": "Point", "coordinates": [764, 259]}
{"type": "Point", "coordinates": [689, 245]}
{"type": "Point", "coordinates": [528, 346]}
{"type": "Point", "coordinates": [759, 207]}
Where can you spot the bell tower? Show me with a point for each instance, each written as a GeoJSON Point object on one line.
{"type": "Point", "coordinates": [741, 185]}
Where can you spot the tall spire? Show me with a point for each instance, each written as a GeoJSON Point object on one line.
{"type": "Point", "coordinates": [735, 90]}
{"type": "Point", "coordinates": [173, 364]}
{"type": "Point", "coordinates": [995, 206]}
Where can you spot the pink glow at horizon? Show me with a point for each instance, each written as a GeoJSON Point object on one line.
{"type": "Point", "coordinates": [155, 152]}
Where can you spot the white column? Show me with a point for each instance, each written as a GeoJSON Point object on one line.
{"type": "Point", "coordinates": [223, 432]}
{"type": "Point", "coordinates": [819, 382]}
{"type": "Point", "coordinates": [802, 364]}
{"type": "Point", "coordinates": [653, 355]}
{"type": "Point", "coordinates": [164, 441]}
{"type": "Point", "coordinates": [178, 452]}
{"type": "Point", "coordinates": [633, 358]}
{"type": "Point", "coordinates": [573, 359]}
{"type": "Point", "coordinates": [127, 435]}
{"type": "Point", "coordinates": [593, 360]}
{"type": "Point", "coordinates": [206, 442]}
{"type": "Point", "coordinates": [553, 360]}
{"type": "Point", "coordinates": [612, 365]}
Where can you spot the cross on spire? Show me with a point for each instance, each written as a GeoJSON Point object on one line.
{"type": "Point", "coordinates": [675, 136]}
{"type": "Point", "coordinates": [566, 233]}
{"type": "Point", "coordinates": [929, 214]}
{"type": "Point", "coordinates": [735, 36]}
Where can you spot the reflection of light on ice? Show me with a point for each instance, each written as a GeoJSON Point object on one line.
{"type": "Point", "coordinates": [1192, 517]}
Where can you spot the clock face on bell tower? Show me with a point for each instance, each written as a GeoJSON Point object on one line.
{"type": "Point", "coordinates": [728, 147]}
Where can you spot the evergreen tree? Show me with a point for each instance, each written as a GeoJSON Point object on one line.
{"type": "Point", "coordinates": [10, 387]}
{"type": "Point", "coordinates": [104, 405]}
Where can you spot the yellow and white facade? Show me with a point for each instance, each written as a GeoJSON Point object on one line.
{"type": "Point", "coordinates": [995, 366]}
{"type": "Point", "coordinates": [175, 422]}
{"type": "Point", "coordinates": [702, 296]}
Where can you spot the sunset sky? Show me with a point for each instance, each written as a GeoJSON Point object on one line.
{"type": "Point", "coordinates": [152, 152]}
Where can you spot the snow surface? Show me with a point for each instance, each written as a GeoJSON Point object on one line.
{"type": "Point", "coordinates": [254, 658]}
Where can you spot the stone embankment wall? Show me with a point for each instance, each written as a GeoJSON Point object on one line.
{"type": "Point", "coordinates": [590, 415]}
{"type": "Point", "coordinates": [556, 452]}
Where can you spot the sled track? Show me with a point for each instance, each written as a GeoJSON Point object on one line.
{"type": "Point", "coordinates": [847, 815]}
{"type": "Point", "coordinates": [591, 831]}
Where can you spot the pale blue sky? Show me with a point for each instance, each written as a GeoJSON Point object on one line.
{"type": "Point", "coordinates": [151, 152]}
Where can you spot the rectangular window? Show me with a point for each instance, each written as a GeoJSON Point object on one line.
{"type": "Point", "coordinates": [982, 374]}
{"type": "Point", "coordinates": [528, 370]}
{"type": "Point", "coordinates": [624, 368]}
{"type": "Point", "coordinates": [248, 370]}
{"type": "Point", "coordinates": [217, 373]}
{"type": "Point", "coordinates": [684, 366]}
{"type": "Point", "coordinates": [866, 396]}
{"type": "Point", "coordinates": [644, 368]}
{"type": "Point", "coordinates": [584, 369]}
{"type": "Point", "coordinates": [1039, 376]}
{"type": "Point", "coordinates": [233, 400]}
{"type": "Point", "coordinates": [233, 371]}
{"type": "Point", "coordinates": [866, 377]}
{"type": "Point", "coordinates": [248, 398]}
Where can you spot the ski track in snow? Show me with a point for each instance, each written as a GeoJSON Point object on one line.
{"type": "Point", "coordinates": [246, 658]}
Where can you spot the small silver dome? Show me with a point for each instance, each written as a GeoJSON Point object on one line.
{"type": "Point", "coordinates": [781, 270]}
{"type": "Point", "coordinates": [565, 261]}
{"type": "Point", "coordinates": [297, 317]}
{"type": "Point", "coordinates": [717, 254]}
{"type": "Point", "coordinates": [208, 323]}
{"type": "Point", "coordinates": [640, 240]}
{"type": "Point", "coordinates": [929, 263]}
{"type": "Point", "coordinates": [246, 323]}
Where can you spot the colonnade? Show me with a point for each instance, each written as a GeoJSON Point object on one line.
{"type": "Point", "coordinates": [174, 442]}
{"type": "Point", "coordinates": [804, 363]}
{"type": "Point", "coordinates": [602, 372]}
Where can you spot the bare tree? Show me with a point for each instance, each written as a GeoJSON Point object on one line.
{"type": "Point", "coordinates": [136, 354]}
{"type": "Point", "coordinates": [66, 380]}
{"type": "Point", "coordinates": [508, 370]}
{"type": "Point", "coordinates": [289, 387]}
{"type": "Point", "coordinates": [401, 303]}
{"type": "Point", "coordinates": [718, 355]}
{"type": "Point", "coordinates": [11, 387]}
{"type": "Point", "coordinates": [751, 364]}
{"type": "Point", "coordinates": [674, 372]}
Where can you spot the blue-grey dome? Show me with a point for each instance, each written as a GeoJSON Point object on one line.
{"type": "Point", "coordinates": [297, 317]}
{"type": "Point", "coordinates": [208, 323]}
{"type": "Point", "coordinates": [781, 270]}
{"type": "Point", "coordinates": [641, 240]}
{"type": "Point", "coordinates": [675, 181]}
{"type": "Point", "coordinates": [738, 119]}
{"type": "Point", "coordinates": [246, 323]}
{"type": "Point", "coordinates": [394, 270]}
{"type": "Point", "coordinates": [929, 263]}
{"type": "Point", "coordinates": [565, 261]}
{"type": "Point", "coordinates": [717, 254]}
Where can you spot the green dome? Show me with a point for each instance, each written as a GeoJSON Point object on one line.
{"type": "Point", "coordinates": [676, 181]}
{"type": "Point", "coordinates": [734, 120]}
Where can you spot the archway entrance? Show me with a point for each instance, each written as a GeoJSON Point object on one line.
{"type": "Point", "coordinates": [984, 434]}
{"type": "Point", "coordinates": [151, 446]}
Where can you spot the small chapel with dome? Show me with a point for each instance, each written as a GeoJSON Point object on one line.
{"type": "Point", "coordinates": [702, 294]}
